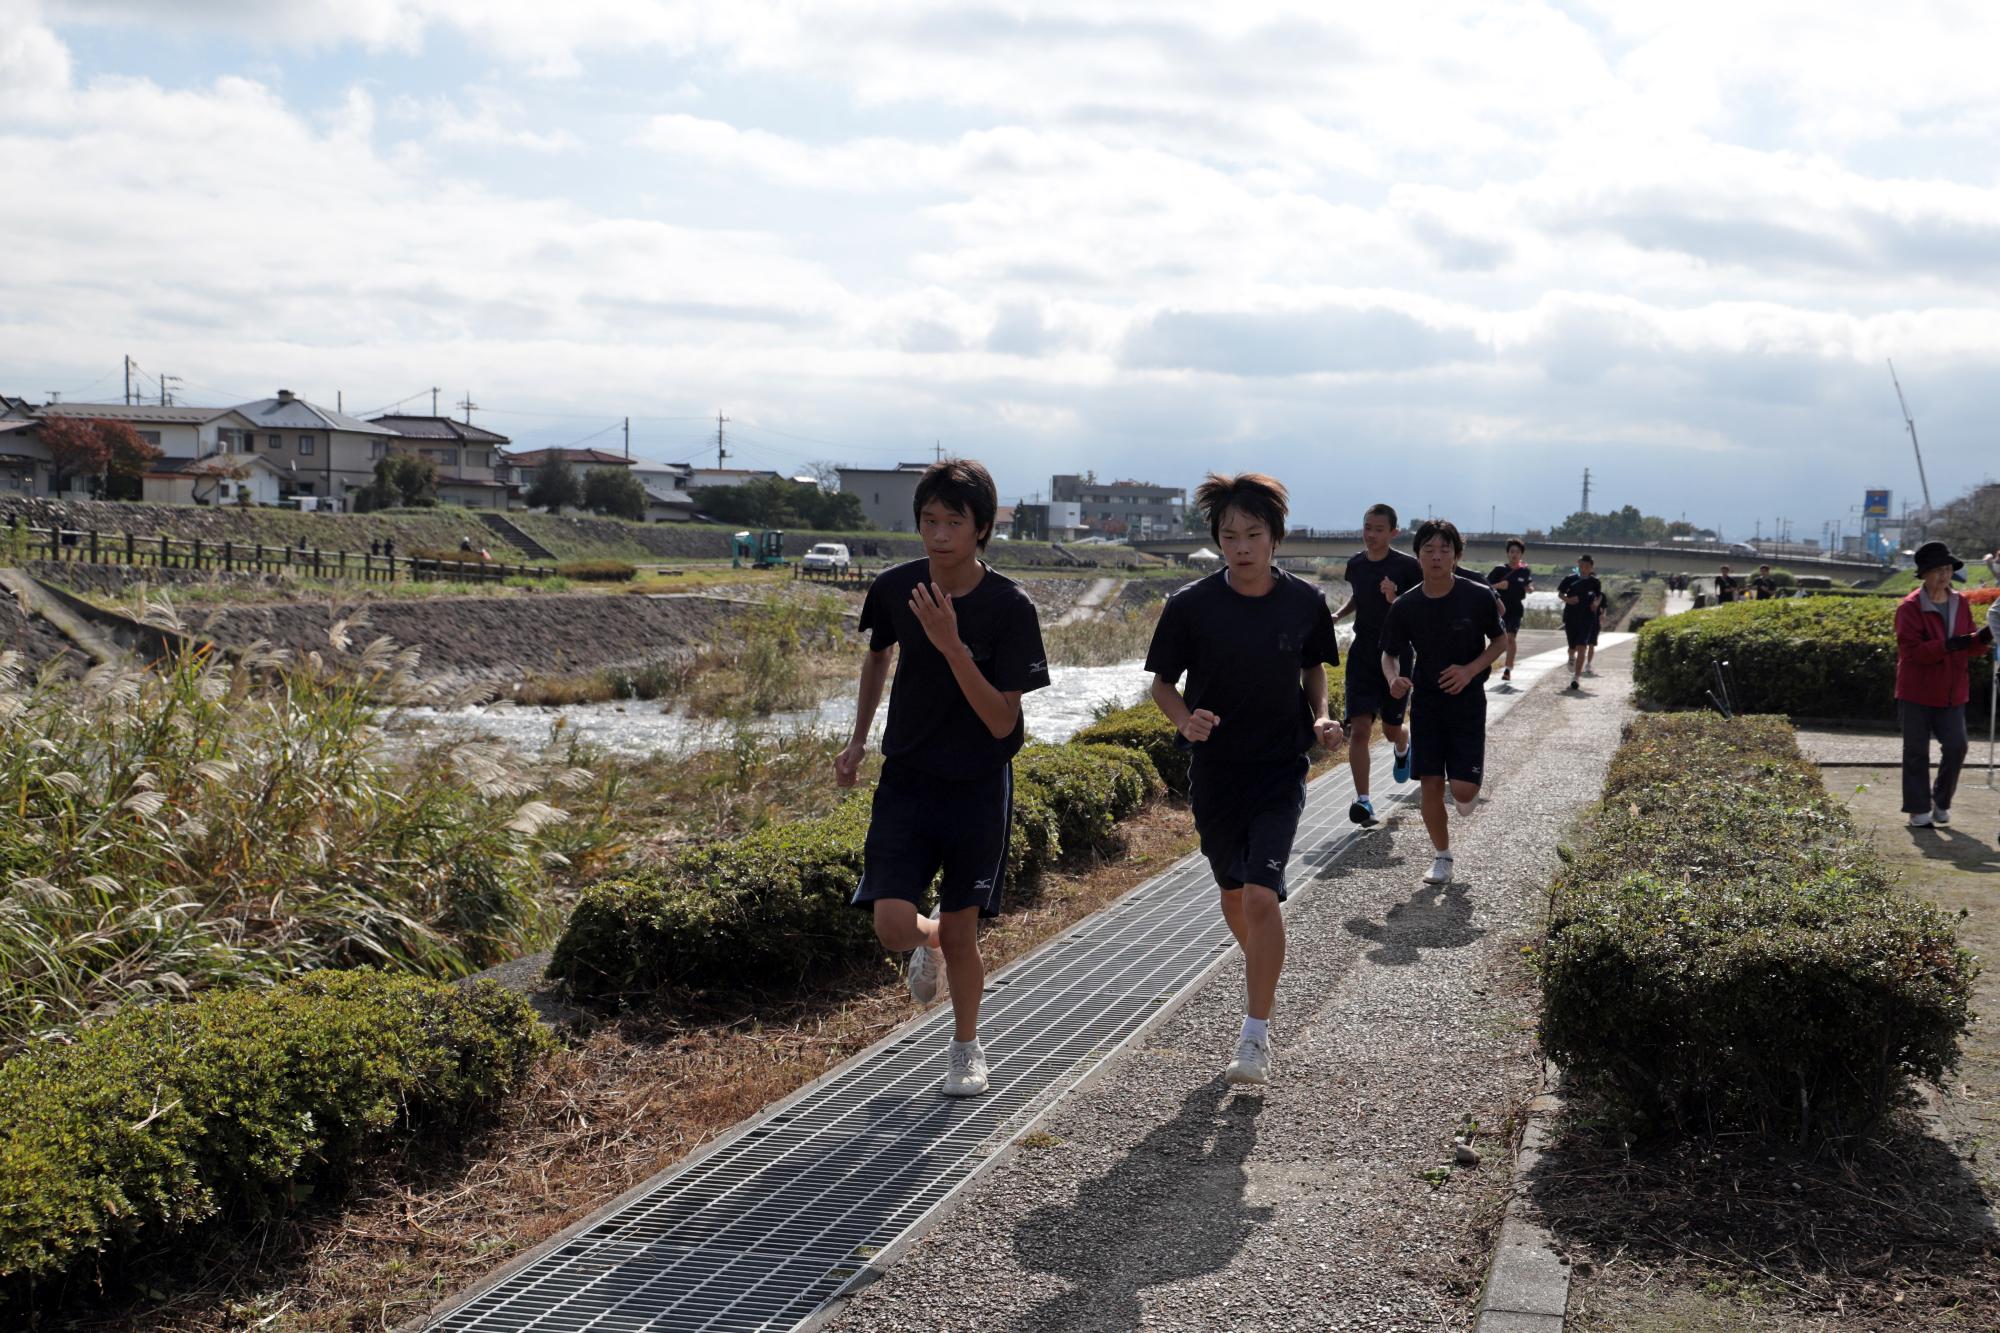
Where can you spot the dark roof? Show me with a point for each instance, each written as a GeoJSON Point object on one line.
{"type": "Point", "coordinates": [439, 428]}
{"type": "Point", "coordinates": [208, 465]}
{"type": "Point", "coordinates": [186, 416]}
{"type": "Point", "coordinates": [537, 457]}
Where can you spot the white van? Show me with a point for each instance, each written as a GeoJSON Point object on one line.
{"type": "Point", "coordinates": [830, 556]}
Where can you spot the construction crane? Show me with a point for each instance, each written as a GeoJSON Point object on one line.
{"type": "Point", "coordinates": [1911, 423]}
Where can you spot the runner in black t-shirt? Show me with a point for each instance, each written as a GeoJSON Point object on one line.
{"type": "Point", "coordinates": [970, 647]}
{"type": "Point", "coordinates": [1376, 576]}
{"type": "Point", "coordinates": [1764, 586]}
{"type": "Point", "coordinates": [1254, 643]}
{"type": "Point", "coordinates": [1512, 582]}
{"type": "Point", "coordinates": [1583, 600]}
{"type": "Point", "coordinates": [1452, 624]}
{"type": "Point", "coordinates": [1725, 587]}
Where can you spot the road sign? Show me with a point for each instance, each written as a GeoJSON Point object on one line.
{"type": "Point", "coordinates": [1876, 505]}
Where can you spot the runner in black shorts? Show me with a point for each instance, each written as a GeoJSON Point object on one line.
{"type": "Point", "coordinates": [1452, 623]}
{"type": "Point", "coordinates": [1583, 602]}
{"type": "Point", "coordinates": [1513, 582]}
{"type": "Point", "coordinates": [1376, 576]}
{"type": "Point", "coordinates": [1254, 643]}
{"type": "Point", "coordinates": [970, 646]}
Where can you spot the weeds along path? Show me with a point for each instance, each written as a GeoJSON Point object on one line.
{"type": "Point", "coordinates": [1092, 602]}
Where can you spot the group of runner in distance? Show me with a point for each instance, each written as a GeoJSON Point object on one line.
{"type": "Point", "coordinates": [1253, 643]}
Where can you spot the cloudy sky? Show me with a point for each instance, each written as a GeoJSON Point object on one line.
{"type": "Point", "coordinates": [1446, 255]}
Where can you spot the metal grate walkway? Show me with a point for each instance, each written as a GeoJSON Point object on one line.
{"type": "Point", "coordinates": [770, 1223]}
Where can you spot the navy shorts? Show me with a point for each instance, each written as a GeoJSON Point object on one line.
{"type": "Point", "coordinates": [1448, 736]}
{"type": "Point", "coordinates": [1246, 818]}
{"type": "Point", "coordinates": [1580, 630]}
{"type": "Point", "coordinates": [1596, 628]}
{"type": "Point", "coordinates": [922, 825]}
{"type": "Point", "coordinates": [1510, 621]}
{"type": "Point", "coordinates": [1367, 692]}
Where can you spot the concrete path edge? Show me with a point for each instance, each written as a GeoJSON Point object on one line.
{"type": "Point", "coordinates": [1527, 1281]}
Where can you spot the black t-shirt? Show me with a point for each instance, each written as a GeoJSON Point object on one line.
{"type": "Point", "coordinates": [1725, 588]}
{"type": "Point", "coordinates": [1371, 608]}
{"type": "Point", "coordinates": [1586, 586]}
{"type": "Point", "coordinates": [1519, 583]}
{"type": "Point", "coordinates": [1765, 586]}
{"type": "Point", "coordinates": [1243, 656]}
{"type": "Point", "coordinates": [1444, 631]}
{"type": "Point", "coordinates": [931, 726]}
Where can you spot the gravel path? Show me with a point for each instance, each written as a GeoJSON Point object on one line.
{"type": "Point", "coordinates": [1159, 1199]}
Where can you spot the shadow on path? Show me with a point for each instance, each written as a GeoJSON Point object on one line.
{"type": "Point", "coordinates": [1171, 1209]}
{"type": "Point", "coordinates": [1438, 916]}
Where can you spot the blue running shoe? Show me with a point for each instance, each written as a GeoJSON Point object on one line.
{"type": "Point", "coordinates": [1401, 771]}
{"type": "Point", "coordinates": [1362, 812]}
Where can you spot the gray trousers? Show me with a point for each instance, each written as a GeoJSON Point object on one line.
{"type": "Point", "coordinates": [1919, 725]}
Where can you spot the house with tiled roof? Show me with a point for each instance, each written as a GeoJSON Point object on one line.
{"type": "Point", "coordinates": [218, 479]}
{"type": "Point", "coordinates": [467, 457]}
{"type": "Point", "coordinates": [318, 450]}
{"type": "Point", "coordinates": [519, 469]}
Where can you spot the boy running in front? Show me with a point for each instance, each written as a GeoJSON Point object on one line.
{"type": "Point", "coordinates": [1582, 598]}
{"type": "Point", "coordinates": [1254, 642]}
{"type": "Point", "coordinates": [1452, 624]}
{"type": "Point", "coordinates": [971, 646]}
{"type": "Point", "coordinates": [1513, 582]}
{"type": "Point", "coordinates": [1376, 576]}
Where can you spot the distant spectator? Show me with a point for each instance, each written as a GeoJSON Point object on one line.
{"type": "Point", "coordinates": [1935, 645]}
{"type": "Point", "coordinates": [1725, 587]}
{"type": "Point", "coordinates": [1764, 585]}
{"type": "Point", "coordinates": [389, 547]}
{"type": "Point", "coordinates": [375, 546]}
{"type": "Point", "coordinates": [465, 545]}
{"type": "Point", "coordinates": [483, 557]}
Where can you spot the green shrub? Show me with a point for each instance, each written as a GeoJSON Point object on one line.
{"type": "Point", "coordinates": [773, 907]}
{"type": "Point", "coordinates": [597, 571]}
{"type": "Point", "coordinates": [1806, 657]}
{"type": "Point", "coordinates": [1143, 727]}
{"type": "Point", "coordinates": [168, 1116]}
{"type": "Point", "coordinates": [1725, 950]}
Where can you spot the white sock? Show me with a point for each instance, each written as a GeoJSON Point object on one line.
{"type": "Point", "coordinates": [1255, 1029]}
{"type": "Point", "coordinates": [958, 1045]}
{"type": "Point", "coordinates": [1361, 796]}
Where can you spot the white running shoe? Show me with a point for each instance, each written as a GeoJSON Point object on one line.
{"type": "Point", "coordinates": [1252, 1063]}
{"type": "Point", "coordinates": [966, 1076]}
{"type": "Point", "coordinates": [1921, 821]}
{"type": "Point", "coordinates": [926, 976]}
{"type": "Point", "coordinates": [1940, 815]}
{"type": "Point", "coordinates": [1440, 870]}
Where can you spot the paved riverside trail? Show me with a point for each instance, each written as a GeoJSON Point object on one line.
{"type": "Point", "coordinates": [1159, 1198]}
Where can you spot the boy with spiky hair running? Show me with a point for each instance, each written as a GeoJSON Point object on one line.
{"type": "Point", "coordinates": [971, 646]}
{"type": "Point", "coordinates": [1513, 582]}
{"type": "Point", "coordinates": [1376, 576]}
{"type": "Point", "coordinates": [1452, 625]}
{"type": "Point", "coordinates": [1254, 643]}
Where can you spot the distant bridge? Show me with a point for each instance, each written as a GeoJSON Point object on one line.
{"type": "Point", "coordinates": [1490, 548]}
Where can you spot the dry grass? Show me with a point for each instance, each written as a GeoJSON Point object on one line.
{"type": "Point", "coordinates": [618, 1106]}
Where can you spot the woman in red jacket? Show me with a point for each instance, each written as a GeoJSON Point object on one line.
{"type": "Point", "coordinates": [1935, 645]}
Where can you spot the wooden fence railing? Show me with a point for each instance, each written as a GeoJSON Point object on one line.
{"type": "Point", "coordinates": [88, 546]}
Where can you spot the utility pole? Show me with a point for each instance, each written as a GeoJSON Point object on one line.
{"type": "Point", "coordinates": [468, 405]}
{"type": "Point", "coordinates": [628, 437]}
{"type": "Point", "coordinates": [166, 381]}
{"type": "Point", "coordinates": [128, 381]}
{"type": "Point", "coordinates": [937, 450]}
{"type": "Point", "coordinates": [434, 400]}
{"type": "Point", "coordinates": [1586, 490]}
{"type": "Point", "coordinates": [720, 452]}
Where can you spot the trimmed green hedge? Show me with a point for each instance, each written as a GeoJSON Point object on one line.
{"type": "Point", "coordinates": [597, 571]}
{"type": "Point", "coordinates": [772, 909]}
{"type": "Point", "coordinates": [1817, 657]}
{"type": "Point", "coordinates": [164, 1117]}
{"type": "Point", "coordinates": [1725, 950]}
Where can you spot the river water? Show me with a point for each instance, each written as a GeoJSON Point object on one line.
{"type": "Point", "coordinates": [1073, 699]}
